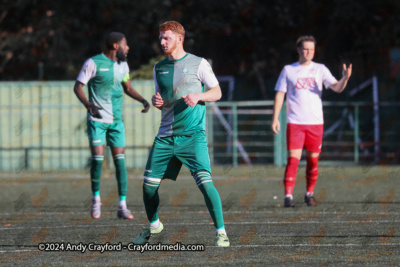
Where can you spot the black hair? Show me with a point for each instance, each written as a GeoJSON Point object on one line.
{"type": "Point", "coordinates": [112, 38]}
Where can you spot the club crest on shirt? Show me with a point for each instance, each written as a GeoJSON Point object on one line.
{"type": "Point", "coordinates": [305, 83]}
{"type": "Point", "coordinates": [185, 70]}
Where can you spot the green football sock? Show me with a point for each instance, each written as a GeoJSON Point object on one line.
{"type": "Point", "coordinates": [120, 173]}
{"type": "Point", "coordinates": [95, 173]}
{"type": "Point", "coordinates": [150, 198]}
{"type": "Point", "coordinates": [211, 196]}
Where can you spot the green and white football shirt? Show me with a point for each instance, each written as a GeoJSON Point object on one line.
{"type": "Point", "coordinates": [104, 77]}
{"type": "Point", "coordinates": [174, 79]}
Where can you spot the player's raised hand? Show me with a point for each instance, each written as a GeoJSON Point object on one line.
{"type": "Point", "coordinates": [347, 71]}
{"type": "Point", "coordinates": [146, 106]}
{"type": "Point", "coordinates": [191, 99]}
{"type": "Point", "coordinates": [157, 100]}
{"type": "Point", "coordinates": [94, 111]}
{"type": "Point", "coordinates": [276, 126]}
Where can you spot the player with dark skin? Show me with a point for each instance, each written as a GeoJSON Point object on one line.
{"type": "Point", "coordinates": [120, 52]}
{"type": "Point", "coordinates": [107, 75]}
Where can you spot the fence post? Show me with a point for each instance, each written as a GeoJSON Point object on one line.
{"type": "Point", "coordinates": [235, 135]}
{"type": "Point", "coordinates": [356, 133]}
{"type": "Point", "coordinates": [41, 126]}
{"type": "Point", "coordinates": [375, 95]}
{"type": "Point", "coordinates": [210, 134]}
{"type": "Point", "coordinates": [280, 152]}
{"type": "Point", "coordinates": [26, 162]}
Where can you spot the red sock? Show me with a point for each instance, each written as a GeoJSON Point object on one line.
{"type": "Point", "coordinates": [290, 175]}
{"type": "Point", "coordinates": [311, 173]}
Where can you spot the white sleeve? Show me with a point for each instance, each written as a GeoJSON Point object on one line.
{"type": "Point", "coordinates": [126, 68]}
{"type": "Point", "coordinates": [327, 77]}
{"type": "Point", "coordinates": [206, 74]}
{"type": "Point", "coordinates": [281, 84]}
{"type": "Point", "coordinates": [88, 71]}
{"type": "Point", "coordinates": [155, 81]}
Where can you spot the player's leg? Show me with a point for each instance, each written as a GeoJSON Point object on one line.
{"type": "Point", "coordinates": [193, 153]}
{"type": "Point", "coordinates": [161, 164]}
{"type": "Point", "coordinates": [121, 175]}
{"type": "Point", "coordinates": [313, 144]}
{"type": "Point", "coordinates": [116, 141]}
{"type": "Point", "coordinates": [214, 206]}
{"type": "Point", "coordinates": [295, 141]}
{"type": "Point", "coordinates": [96, 134]}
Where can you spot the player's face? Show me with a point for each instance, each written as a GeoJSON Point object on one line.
{"type": "Point", "coordinates": [122, 51]}
{"type": "Point", "coordinates": [169, 42]}
{"type": "Point", "coordinates": [306, 52]}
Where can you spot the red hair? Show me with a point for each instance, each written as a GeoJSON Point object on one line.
{"type": "Point", "coordinates": [173, 26]}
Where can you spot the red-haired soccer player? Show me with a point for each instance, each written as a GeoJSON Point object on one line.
{"type": "Point", "coordinates": [181, 139]}
{"type": "Point", "coordinates": [303, 82]}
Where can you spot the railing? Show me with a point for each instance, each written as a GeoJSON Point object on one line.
{"type": "Point", "coordinates": [349, 133]}
{"type": "Point", "coordinates": [43, 126]}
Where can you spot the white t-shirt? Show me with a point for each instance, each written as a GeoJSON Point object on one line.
{"type": "Point", "coordinates": [303, 86]}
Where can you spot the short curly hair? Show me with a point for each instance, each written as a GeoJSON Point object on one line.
{"type": "Point", "coordinates": [173, 26]}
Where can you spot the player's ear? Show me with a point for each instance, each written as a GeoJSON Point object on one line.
{"type": "Point", "coordinates": [180, 38]}
{"type": "Point", "coordinates": [115, 46]}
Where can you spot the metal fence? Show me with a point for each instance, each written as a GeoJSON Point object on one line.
{"type": "Point", "coordinates": [43, 126]}
{"type": "Point", "coordinates": [240, 133]}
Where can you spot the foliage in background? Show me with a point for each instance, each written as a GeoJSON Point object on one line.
{"type": "Point", "coordinates": [249, 39]}
{"type": "Point", "coordinates": [145, 71]}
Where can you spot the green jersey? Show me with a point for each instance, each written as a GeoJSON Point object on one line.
{"type": "Point", "coordinates": [103, 77]}
{"type": "Point", "coordinates": [174, 79]}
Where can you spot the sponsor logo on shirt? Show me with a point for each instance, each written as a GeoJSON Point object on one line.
{"type": "Point", "coordinates": [102, 69]}
{"type": "Point", "coordinates": [164, 72]}
{"type": "Point", "coordinates": [305, 83]}
{"type": "Point", "coordinates": [148, 170]}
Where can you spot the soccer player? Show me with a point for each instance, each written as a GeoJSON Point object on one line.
{"type": "Point", "coordinates": [180, 96]}
{"type": "Point", "coordinates": [303, 81]}
{"type": "Point", "coordinates": [104, 74]}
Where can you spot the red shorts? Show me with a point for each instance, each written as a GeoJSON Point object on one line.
{"type": "Point", "coordinates": [299, 136]}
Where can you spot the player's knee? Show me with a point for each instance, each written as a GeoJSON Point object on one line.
{"type": "Point", "coordinates": [150, 185]}
{"type": "Point", "coordinates": [119, 157]}
{"type": "Point", "coordinates": [202, 178]}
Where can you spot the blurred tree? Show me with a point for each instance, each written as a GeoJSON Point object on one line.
{"type": "Point", "coordinates": [250, 39]}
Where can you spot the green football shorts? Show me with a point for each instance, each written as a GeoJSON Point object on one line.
{"type": "Point", "coordinates": [168, 153]}
{"type": "Point", "coordinates": [98, 132]}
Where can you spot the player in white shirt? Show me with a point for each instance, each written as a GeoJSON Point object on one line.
{"type": "Point", "coordinates": [303, 82]}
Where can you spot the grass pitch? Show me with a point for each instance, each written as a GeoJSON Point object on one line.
{"type": "Point", "coordinates": [357, 222]}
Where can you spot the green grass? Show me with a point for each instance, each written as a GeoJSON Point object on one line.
{"type": "Point", "coordinates": [357, 222]}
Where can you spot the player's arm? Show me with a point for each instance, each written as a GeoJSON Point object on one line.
{"type": "Point", "coordinates": [279, 98]}
{"type": "Point", "coordinates": [213, 94]}
{"type": "Point", "coordinates": [280, 88]}
{"type": "Point", "coordinates": [339, 86]}
{"type": "Point", "coordinates": [157, 100]}
{"type": "Point", "coordinates": [207, 77]}
{"type": "Point", "coordinates": [128, 89]}
{"type": "Point", "coordinates": [92, 108]}
{"type": "Point", "coordinates": [88, 72]}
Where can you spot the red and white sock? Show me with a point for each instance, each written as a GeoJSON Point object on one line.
{"type": "Point", "coordinates": [311, 174]}
{"type": "Point", "coordinates": [290, 175]}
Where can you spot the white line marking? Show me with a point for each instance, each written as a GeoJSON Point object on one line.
{"type": "Point", "coordinates": [228, 212]}
{"type": "Point", "coordinates": [255, 246]}
{"type": "Point", "coordinates": [204, 223]}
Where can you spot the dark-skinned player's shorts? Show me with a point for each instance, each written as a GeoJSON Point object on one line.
{"type": "Point", "coordinates": [169, 153]}
{"type": "Point", "coordinates": [299, 136]}
{"type": "Point", "coordinates": [98, 132]}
